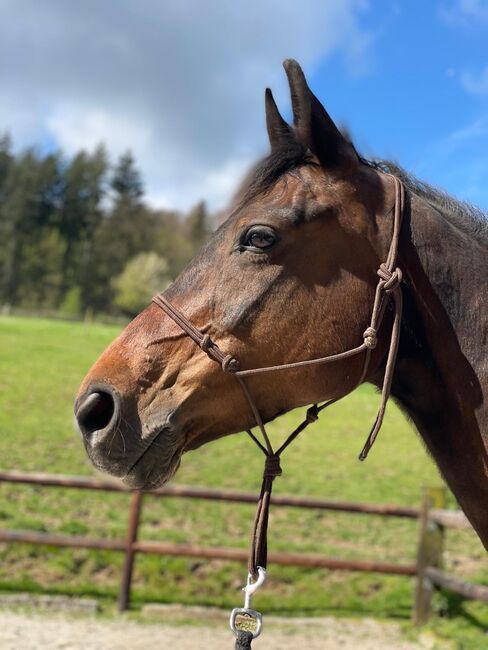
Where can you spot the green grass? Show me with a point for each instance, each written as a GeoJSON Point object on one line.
{"type": "Point", "coordinates": [41, 365]}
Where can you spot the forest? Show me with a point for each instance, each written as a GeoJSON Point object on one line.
{"type": "Point", "coordinates": [78, 238]}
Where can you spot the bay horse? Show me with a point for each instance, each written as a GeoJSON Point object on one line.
{"type": "Point", "coordinates": [291, 275]}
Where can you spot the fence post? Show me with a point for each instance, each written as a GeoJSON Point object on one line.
{"type": "Point", "coordinates": [429, 552]}
{"type": "Point", "coordinates": [132, 529]}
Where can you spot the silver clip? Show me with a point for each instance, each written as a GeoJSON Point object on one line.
{"type": "Point", "coordinates": [246, 618]}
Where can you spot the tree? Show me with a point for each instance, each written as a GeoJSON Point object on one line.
{"type": "Point", "coordinates": [82, 214]}
{"type": "Point", "coordinates": [171, 240]}
{"type": "Point", "coordinates": [143, 276]}
{"type": "Point", "coordinates": [67, 229]}
{"type": "Point", "coordinates": [6, 160]}
{"type": "Point", "coordinates": [6, 163]}
{"type": "Point", "coordinates": [40, 276]}
{"type": "Point", "coordinates": [127, 229]}
{"type": "Point", "coordinates": [126, 181]}
{"type": "Point", "coordinates": [30, 204]}
{"type": "Point", "coordinates": [197, 225]}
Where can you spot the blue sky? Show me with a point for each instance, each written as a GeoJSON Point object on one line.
{"type": "Point", "coordinates": [181, 82]}
{"type": "Point", "coordinates": [423, 97]}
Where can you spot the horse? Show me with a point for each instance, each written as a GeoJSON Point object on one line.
{"type": "Point", "coordinates": [290, 276]}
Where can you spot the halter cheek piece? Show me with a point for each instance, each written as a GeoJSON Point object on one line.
{"type": "Point", "coordinates": [388, 285]}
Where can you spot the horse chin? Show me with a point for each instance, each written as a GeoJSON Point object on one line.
{"type": "Point", "coordinates": [159, 461]}
{"type": "Point", "coordinates": [144, 465]}
{"type": "Point", "coordinates": [150, 476]}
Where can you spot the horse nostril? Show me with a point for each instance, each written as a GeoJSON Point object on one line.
{"type": "Point", "coordinates": [95, 412]}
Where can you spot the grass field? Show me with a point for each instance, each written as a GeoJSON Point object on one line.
{"type": "Point", "coordinates": [41, 365]}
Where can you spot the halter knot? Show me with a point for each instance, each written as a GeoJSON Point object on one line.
{"type": "Point", "coordinates": [312, 414]}
{"type": "Point", "coordinates": [229, 364]}
{"type": "Point", "coordinates": [272, 467]}
{"type": "Point", "coordinates": [391, 279]}
{"type": "Point", "coordinates": [370, 338]}
{"type": "Point", "coordinates": [206, 343]}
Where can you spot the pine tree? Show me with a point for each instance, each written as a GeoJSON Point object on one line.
{"type": "Point", "coordinates": [19, 219]}
{"type": "Point", "coordinates": [66, 230]}
{"type": "Point", "coordinates": [126, 181]}
{"type": "Point", "coordinates": [197, 225]}
{"type": "Point", "coordinates": [81, 216]}
{"type": "Point", "coordinates": [126, 230]}
{"type": "Point", "coordinates": [6, 160]}
{"type": "Point", "coordinates": [28, 214]}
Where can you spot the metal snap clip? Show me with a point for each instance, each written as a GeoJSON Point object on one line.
{"type": "Point", "coordinates": [246, 619]}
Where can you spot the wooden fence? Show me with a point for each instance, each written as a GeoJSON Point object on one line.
{"type": "Point", "coordinates": [432, 516]}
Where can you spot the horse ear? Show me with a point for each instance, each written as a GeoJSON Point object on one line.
{"type": "Point", "coordinates": [279, 131]}
{"type": "Point", "coordinates": [313, 125]}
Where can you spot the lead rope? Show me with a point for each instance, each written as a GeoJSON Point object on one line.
{"type": "Point", "coordinates": [243, 640]}
{"type": "Point", "coordinates": [245, 622]}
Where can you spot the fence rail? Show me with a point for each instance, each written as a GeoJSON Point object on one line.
{"type": "Point", "coordinates": [466, 589]}
{"type": "Point", "coordinates": [433, 520]}
{"type": "Point", "coordinates": [186, 491]}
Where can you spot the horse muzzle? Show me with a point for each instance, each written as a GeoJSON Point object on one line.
{"type": "Point", "coordinates": [144, 455]}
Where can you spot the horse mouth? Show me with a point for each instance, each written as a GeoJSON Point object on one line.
{"type": "Point", "coordinates": [152, 468]}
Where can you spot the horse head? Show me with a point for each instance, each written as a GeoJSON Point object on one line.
{"type": "Point", "coordinates": [290, 275]}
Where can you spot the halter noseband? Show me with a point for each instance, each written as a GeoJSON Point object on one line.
{"type": "Point", "coordinates": [390, 277]}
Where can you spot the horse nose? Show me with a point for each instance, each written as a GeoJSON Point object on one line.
{"type": "Point", "coordinates": [95, 411]}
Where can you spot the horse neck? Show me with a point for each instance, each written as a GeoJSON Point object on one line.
{"type": "Point", "coordinates": [441, 374]}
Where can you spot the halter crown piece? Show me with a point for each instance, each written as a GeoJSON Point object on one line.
{"type": "Point", "coordinates": [390, 277]}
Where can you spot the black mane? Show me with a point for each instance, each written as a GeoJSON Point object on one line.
{"type": "Point", "coordinates": [268, 171]}
{"type": "Point", "coordinates": [464, 215]}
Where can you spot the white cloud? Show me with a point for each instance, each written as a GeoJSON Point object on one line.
{"type": "Point", "coordinates": [75, 128]}
{"type": "Point", "coordinates": [474, 130]}
{"type": "Point", "coordinates": [180, 82]}
{"type": "Point", "coordinates": [458, 161]}
{"type": "Point", "coordinates": [455, 143]}
{"type": "Point", "coordinates": [466, 12]}
{"type": "Point", "coordinates": [475, 84]}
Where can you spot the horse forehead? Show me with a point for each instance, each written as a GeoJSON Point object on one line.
{"type": "Point", "coordinates": [310, 188]}
{"type": "Point", "coordinates": [295, 197]}
{"type": "Point", "coordinates": [299, 187]}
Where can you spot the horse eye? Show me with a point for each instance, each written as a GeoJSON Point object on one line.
{"type": "Point", "coordinates": [260, 237]}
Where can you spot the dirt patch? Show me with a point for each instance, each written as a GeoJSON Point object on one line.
{"type": "Point", "coordinates": [32, 631]}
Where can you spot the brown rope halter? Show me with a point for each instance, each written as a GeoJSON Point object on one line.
{"type": "Point", "coordinates": [389, 281]}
